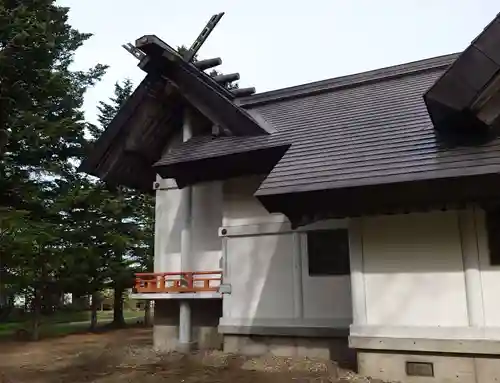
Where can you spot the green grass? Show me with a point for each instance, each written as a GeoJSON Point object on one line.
{"type": "Point", "coordinates": [67, 323]}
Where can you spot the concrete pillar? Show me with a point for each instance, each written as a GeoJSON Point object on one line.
{"type": "Point", "coordinates": [186, 240]}
{"type": "Point", "coordinates": [470, 256]}
{"type": "Point", "coordinates": [186, 205]}
{"type": "Point", "coordinates": [358, 293]}
{"type": "Point", "coordinates": [298, 290]}
{"type": "Point", "coordinates": [186, 245]}
{"type": "Point", "coordinates": [184, 325]}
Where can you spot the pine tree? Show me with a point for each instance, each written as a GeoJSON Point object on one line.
{"type": "Point", "coordinates": [40, 111]}
{"type": "Point", "coordinates": [129, 220]}
{"type": "Point", "coordinates": [108, 111]}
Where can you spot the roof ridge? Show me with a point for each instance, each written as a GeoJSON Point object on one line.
{"type": "Point", "coordinates": [348, 80]}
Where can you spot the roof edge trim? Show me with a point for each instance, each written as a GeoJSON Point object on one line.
{"type": "Point", "coordinates": [348, 80]}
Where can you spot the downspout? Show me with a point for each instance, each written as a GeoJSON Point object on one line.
{"type": "Point", "coordinates": [187, 211]}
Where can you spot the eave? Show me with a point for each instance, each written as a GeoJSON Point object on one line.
{"type": "Point", "coordinates": [135, 138]}
{"type": "Point", "coordinates": [139, 133]}
{"type": "Point", "coordinates": [200, 90]}
{"type": "Point", "coordinates": [206, 159]}
{"type": "Point", "coordinates": [404, 197]}
{"type": "Point", "coordinates": [465, 100]}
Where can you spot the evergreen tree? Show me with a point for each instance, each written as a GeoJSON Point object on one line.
{"type": "Point", "coordinates": [108, 111]}
{"type": "Point", "coordinates": [40, 111]}
{"type": "Point", "coordinates": [129, 220]}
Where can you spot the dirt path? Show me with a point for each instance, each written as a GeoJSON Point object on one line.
{"type": "Point", "coordinates": [126, 356]}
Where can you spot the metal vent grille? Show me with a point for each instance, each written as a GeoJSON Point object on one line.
{"type": "Point", "coordinates": [420, 369]}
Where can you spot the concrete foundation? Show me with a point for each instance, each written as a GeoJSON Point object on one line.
{"type": "Point", "coordinates": [205, 314]}
{"type": "Point", "coordinates": [335, 349]}
{"type": "Point", "coordinates": [446, 368]}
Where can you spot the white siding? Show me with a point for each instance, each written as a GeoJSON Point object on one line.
{"type": "Point", "coordinates": [261, 268]}
{"type": "Point", "coordinates": [241, 208]}
{"type": "Point", "coordinates": [260, 272]}
{"type": "Point", "coordinates": [325, 296]}
{"type": "Point", "coordinates": [168, 224]}
{"type": "Point", "coordinates": [413, 270]}
{"type": "Point", "coordinates": [207, 218]}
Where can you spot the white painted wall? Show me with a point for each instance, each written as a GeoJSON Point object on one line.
{"type": "Point", "coordinates": [413, 270]}
{"type": "Point", "coordinates": [260, 273]}
{"type": "Point", "coordinates": [325, 296]}
{"type": "Point", "coordinates": [264, 261]}
{"type": "Point", "coordinates": [263, 270]}
{"type": "Point", "coordinates": [168, 225]}
{"type": "Point", "coordinates": [241, 208]}
{"type": "Point", "coordinates": [412, 292]}
{"type": "Point", "coordinates": [207, 218]}
{"type": "Point", "coordinates": [413, 266]}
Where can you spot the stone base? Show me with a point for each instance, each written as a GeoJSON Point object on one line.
{"type": "Point", "coordinates": [335, 349]}
{"type": "Point", "coordinates": [205, 316]}
{"type": "Point", "coordinates": [391, 366]}
{"type": "Point", "coordinates": [165, 338]}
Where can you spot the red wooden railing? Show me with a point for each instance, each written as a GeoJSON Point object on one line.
{"type": "Point", "coordinates": [181, 282]}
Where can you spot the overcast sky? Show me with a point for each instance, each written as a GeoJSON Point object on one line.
{"type": "Point", "coordinates": [278, 43]}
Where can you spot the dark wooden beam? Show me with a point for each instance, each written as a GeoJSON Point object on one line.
{"type": "Point", "coordinates": [243, 92]}
{"type": "Point", "coordinates": [226, 78]}
{"type": "Point", "coordinates": [199, 89]}
{"type": "Point", "coordinates": [208, 63]}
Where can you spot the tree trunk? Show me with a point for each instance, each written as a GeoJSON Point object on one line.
{"type": "Point", "coordinates": [147, 313]}
{"type": "Point", "coordinates": [93, 311]}
{"type": "Point", "coordinates": [36, 314]}
{"type": "Point", "coordinates": [118, 319]}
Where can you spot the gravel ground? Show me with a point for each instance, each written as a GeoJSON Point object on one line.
{"type": "Point", "coordinates": [126, 356]}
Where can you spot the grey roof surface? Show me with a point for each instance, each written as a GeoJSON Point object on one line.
{"type": "Point", "coordinates": [372, 133]}
{"type": "Point", "coordinates": [454, 98]}
{"type": "Point", "coordinates": [204, 147]}
{"type": "Point", "coordinates": [364, 129]}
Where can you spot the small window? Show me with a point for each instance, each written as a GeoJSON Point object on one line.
{"type": "Point", "coordinates": [328, 252]}
{"type": "Point", "coordinates": [493, 228]}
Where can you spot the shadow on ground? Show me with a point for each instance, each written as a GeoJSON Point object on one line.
{"type": "Point", "coordinates": [127, 356]}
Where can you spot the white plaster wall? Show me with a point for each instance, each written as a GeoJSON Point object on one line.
{"type": "Point", "coordinates": [168, 225]}
{"type": "Point", "coordinates": [413, 270]}
{"type": "Point", "coordinates": [262, 269]}
{"type": "Point", "coordinates": [325, 296]}
{"type": "Point", "coordinates": [337, 303]}
{"type": "Point", "coordinates": [207, 218]}
{"type": "Point", "coordinates": [490, 275]}
{"type": "Point", "coordinates": [241, 208]}
{"type": "Point", "coordinates": [260, 273]}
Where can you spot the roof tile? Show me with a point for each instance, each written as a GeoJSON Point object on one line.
{"type": "Point", "coordinates": [365, 129]}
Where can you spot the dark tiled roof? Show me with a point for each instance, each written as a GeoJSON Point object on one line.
{"type": "Point", "coordinates": [197, 87]}
{"type": "Point", "coordinates": [365, 129]}
{"type": "Point", "coordinates": [458, 100]}
{"type": "Point", "coordinates": [337, 83]}
{"type": "Point", "coordinates": [204, 147]}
